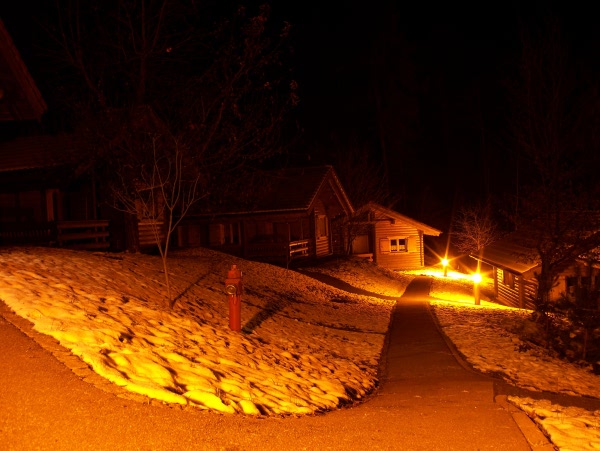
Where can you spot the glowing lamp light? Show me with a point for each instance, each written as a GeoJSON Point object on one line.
{"type": "Point", "coordinates": [477, 277]}
{"type": "Point", "coordinates": [445, 265]}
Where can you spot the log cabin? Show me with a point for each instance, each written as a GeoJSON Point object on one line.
{"type": "Point", "coordinates": [389, 239]}
{"type": "Point", "coordinates": [299, 214]}
{"type": "Point", "coordinates": [41, 203]}
{"type": "Point", "coordinates": [514, 268]}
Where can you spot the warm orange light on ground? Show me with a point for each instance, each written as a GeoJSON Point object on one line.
{"type": "Point", "coordinates": [476, 282]}
{"type": "Point", "coordinates": [445, 265]}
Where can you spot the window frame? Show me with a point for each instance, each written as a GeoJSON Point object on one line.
{"type": "Point", "coordinates": [399, 247]}
{"type": "Point", "coordinates": [508, 279]}
{"type": "Point", "coordinates": [385, 245]}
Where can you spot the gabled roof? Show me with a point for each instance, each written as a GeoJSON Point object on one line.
{"type": "Point", "coordinates": [507, 255]}
{"type": "Point", "coordinates": [383, 212]}
{"type": "Point", "coordinates": [297, 188]}
{"type": "Point", "coordinates": [294, 190]}
{"type": "Point", "coordinates": [20, 99]}
{"type": "Point", "coordinates": [517, 252]}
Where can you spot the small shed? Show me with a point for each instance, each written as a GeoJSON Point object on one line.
{"type": "Point", "coordinates": [296, 213]}
{"type": "Point", "coordinates": [388, 238]}
{"type": "Point", "coordinates": [514, 270]}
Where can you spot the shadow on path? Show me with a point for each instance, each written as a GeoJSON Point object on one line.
{"type": "Point", "coordinates": [337, 283]}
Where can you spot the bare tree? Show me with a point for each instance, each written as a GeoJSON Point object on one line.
{"type": "Point", "coordinates": [216, 80]}
{"type": "Point", "coordinates": [174, 102]}
{"type": "Point", "coordinates": [474, 228]}
{"type": "Point", "coordinates": [554, 105]}
{"type": "Point", "coordinates": [160, 191]}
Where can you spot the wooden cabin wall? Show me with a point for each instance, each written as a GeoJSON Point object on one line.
{"type": "Point", "coordinates": [508, 293]}
{"type": "Point", "coordinates": [413, 258]}
{"type": "Point", "coordinates": [147, 229]}
{"type": "Point", "coordinates": [530, 290]}
{"type": "Point", "coordinates": [511, 285]}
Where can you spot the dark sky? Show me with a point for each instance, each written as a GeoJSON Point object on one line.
{"type": "Point", "coordinates": [429, 82]}
{"type": "Point", "coordinates": [419, 85]}
{"type": "Point", "coordinates": [411, 77]}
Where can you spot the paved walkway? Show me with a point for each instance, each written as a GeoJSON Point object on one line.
{"type": "Point", "coordinates": [436, 395]}
{"type": "Point", "coordinates": [428, 401]}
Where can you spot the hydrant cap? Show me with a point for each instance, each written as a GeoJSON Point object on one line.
{"type": "Point", "coordinates": [234, 273]}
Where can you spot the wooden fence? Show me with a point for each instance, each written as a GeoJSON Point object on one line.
{"type": "Point", "coordinates": [279, 252]}
{"type": "Point", "coordinates": [83, 234]}
{"type": "Point", "coordinates": [17, 233]}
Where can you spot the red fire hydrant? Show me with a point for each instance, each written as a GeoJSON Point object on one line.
{"type": "Point", "coordinates": [234, 288]}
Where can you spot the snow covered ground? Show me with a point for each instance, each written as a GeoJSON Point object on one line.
{"type": "Point", "coordinates": [306, 347]}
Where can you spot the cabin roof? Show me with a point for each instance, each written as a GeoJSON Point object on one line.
{"type": "Point", "coordinates": [297, 188]}
{"type": "Point", "coordinates": [507, 255]}
{"type": "Point", "coordinates": [294, 190]}
{"type": "Point", "coordinates": [20, 99]}
{"type": "Point", "coordinates": [381, 211]}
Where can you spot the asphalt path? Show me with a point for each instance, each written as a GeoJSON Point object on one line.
{"type": "Point", "coordinates": [428, 400]}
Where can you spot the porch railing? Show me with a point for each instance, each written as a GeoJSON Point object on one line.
{"type": "Point", "coordinates": [299, 249]}
{"type": "Point", "coordinates": [17, 233]}
{"type": "Point", "coordinates": [278, 251]}
{"type": "Point", "coordinates": [69, 234]}
{"type": "Point", "coordinates": [83, 234]}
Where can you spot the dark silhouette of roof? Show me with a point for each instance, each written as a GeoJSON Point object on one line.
{"type": "Point", "coordinates": [20, 99]}
{"type": "Point", "coordinates": [506, 254]}
{"type": "Point", "coordinates": [293, 190]}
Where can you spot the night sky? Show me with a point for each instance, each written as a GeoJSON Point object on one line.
{"type": "Point", "coordinates": [443, 70]}
{"type": "Point", "coordinates": [418, 85]}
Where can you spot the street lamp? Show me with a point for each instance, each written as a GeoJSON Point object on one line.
{"type": "Point", "coordinates": [445, 265]}
{"type": "Point", "coordinates": [476, 282]}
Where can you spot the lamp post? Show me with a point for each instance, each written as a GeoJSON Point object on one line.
{"type": "Point", "coordinates": [476, 281]}
{"type": "Point", "coordinates": [445, 265]}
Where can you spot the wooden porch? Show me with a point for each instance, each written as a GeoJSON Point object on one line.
{"type": "Point", "coordinates": [85, 235]}
{"type": "Point", "coordinates": [284, 252]}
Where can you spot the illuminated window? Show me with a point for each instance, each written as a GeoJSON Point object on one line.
{"type": "Point", "coordinates": [398, 245]}
{"type": "Point", "coordinates": [394, 245]}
